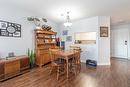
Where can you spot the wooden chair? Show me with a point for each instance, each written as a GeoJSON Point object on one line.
{"type": "Point", "coordinates": [75, 63]}
{"type": "Point", "coordinates": [57, 62]}
{"type": "Point", "coordinates": [77, 60]}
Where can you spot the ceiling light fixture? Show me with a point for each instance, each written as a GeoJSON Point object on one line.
{"type": "Point", "coordinates": [67, 23]}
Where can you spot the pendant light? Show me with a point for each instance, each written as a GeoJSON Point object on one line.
{"type": "Point", "coordinates": [67, 23]}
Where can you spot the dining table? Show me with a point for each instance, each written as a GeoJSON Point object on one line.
{"type": "Point", "coordinates": [66, 55]}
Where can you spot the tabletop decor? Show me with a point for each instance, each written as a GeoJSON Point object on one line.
{"type": "Point", "coordinates": [46, 27]}
{"type": "Point", "coordinates": [37, 21]}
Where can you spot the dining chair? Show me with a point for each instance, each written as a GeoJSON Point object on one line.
{"type": "Point", "coordinates": [75, 48]}
{"type": "Point", "coordinates": [75, 63]}
{"type": "Point", "coordinates": [78, 61]}
{"type": "Point", "coordinates": [57, 62]}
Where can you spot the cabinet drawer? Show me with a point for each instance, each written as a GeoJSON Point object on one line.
{"type": "Point", "coordinates": [40, 52]}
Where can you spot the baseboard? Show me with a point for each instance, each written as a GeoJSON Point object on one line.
{"type": "Point", "coordinates": [83, 61]}
{"type": "Point", "coordinates": [102, 64]}
{"type": "Point", "coordinates": [121, 58]}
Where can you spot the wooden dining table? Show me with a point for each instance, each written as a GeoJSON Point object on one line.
{"type": "Point", "coordinates": [66, 55]}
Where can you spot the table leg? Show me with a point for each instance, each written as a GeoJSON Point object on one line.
{"type": "Point", "coordinates": [67, 64]}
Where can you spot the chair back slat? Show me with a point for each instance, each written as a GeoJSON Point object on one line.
{"type": "Point", "coordinates": [76, 48]}
{"type": "Point", "coordinates": [54, 54]}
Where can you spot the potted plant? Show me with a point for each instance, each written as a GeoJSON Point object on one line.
{"type": "Point", "coordinates": [31, 55]}
{"type": "Point", "coordinates": [37, 21]}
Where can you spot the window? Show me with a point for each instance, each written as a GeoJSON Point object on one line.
{"type": "Point", "coordinates": [85, 38]}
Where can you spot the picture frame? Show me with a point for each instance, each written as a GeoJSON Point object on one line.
{"type": "Point", "coordinates": [65, 32]}
{"type": "Point", "coordinates": [9, 29]}
{"type": "Point", "coordinates": [69, 38]}
{"type": "Point", "coordinates": [103, 31]}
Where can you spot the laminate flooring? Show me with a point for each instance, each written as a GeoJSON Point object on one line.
{"type": "Point", "coordinates": [116, 75]}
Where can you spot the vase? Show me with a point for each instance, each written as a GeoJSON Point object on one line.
{"type": "Point", "coordinates": [32, 65]}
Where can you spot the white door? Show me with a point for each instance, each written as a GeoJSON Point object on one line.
{"type": "Point", "coordinates": [119, 43]}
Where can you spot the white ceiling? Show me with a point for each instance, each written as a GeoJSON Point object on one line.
{"type": "Point", "coordinates": [119, 10]}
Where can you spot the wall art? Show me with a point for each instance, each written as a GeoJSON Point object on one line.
{"type": "Point", "coordinates": [69, 38]}
{"type": "Point", "coordinates": [103, 31]}
{"type": "Point", "coordinates": [65, 32]}
{"type": "Point", "coordinates": [9, 29]}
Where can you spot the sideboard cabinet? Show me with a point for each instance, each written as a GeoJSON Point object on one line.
{"type": "Point", "coordinates": [13, 66]}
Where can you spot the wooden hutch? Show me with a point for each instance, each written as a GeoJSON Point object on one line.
{"type": "Point", "coordinates": [43, 41]}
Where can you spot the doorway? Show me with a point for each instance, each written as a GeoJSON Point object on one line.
{"type": "Point", "coordinates": [119, 43]}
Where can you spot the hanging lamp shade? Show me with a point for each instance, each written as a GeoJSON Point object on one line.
{"type": "Point", "coordinates": [68, 24]}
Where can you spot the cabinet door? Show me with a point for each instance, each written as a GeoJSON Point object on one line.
{"type": "Point", "coordinates": [1, 70]}
{"type": "Point", "coordinates": [12, 68]}
{"type": "Point", "coordinates": [46, 57]}
{"type": "Point", "coordinates": [43, 57]}
{"type": "Point", "coordinates": [24, 63]}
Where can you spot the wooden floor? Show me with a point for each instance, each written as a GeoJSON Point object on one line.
{"type": "Point", "coordinates": [117, 75]}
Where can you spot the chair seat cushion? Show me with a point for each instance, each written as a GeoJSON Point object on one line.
{"type": "Point", "coordinates": [59, 61]}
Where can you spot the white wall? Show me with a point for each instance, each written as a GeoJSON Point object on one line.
{"type": "Point", "coordinates": [85, 25]}
{"type": "Point", "coordinates": [121, 27]}
{"type": "Point", "coordinates": [104, 42]}
{"type": "Point", "coordinates": [91, 51]}
{"type": "Point", "coordinates": [18, 45]}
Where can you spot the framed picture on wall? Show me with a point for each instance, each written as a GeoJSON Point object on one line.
{"type": "Point", "coordinates": [9, 29]}
{"type": "Point", "coordinates": [69, 38]}
{"type": "Point", "coordinates": [65, 32]}
{"type": "Point", "coordinates": [103, 31]}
